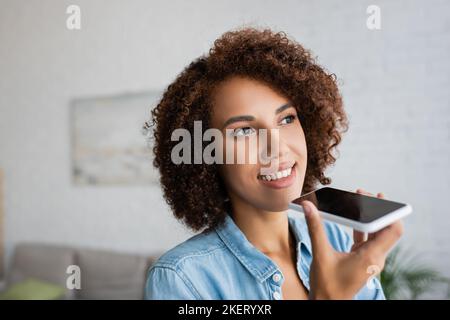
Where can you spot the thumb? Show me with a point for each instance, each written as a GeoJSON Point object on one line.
{"type": "Point", "coordinates": [319, 239]}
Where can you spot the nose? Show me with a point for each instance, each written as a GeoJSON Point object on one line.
{"type": "Point", "coordinates": [273, 148]}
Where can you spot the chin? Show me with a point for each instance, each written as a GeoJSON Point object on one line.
{"type": "Point", "coordinates": [276, 205]}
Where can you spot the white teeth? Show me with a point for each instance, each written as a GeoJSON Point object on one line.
{"type": "Point", "coordinates": [278, 175]}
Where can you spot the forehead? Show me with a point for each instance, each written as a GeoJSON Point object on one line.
{"type": "Point", "coordinates": [242, 96]}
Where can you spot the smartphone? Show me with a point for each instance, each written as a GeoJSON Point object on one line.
{"type": "Point", "coordinates": [361, 212]}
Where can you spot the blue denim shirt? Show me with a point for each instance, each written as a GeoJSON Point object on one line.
{"type": "Point", "coordinates": [223, 265]}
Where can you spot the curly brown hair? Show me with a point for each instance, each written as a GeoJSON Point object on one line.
{"type": "Point", "coordinates": [196, 192]}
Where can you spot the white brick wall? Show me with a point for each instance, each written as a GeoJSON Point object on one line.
{"type": "Point", "coordinates": [394, 81]}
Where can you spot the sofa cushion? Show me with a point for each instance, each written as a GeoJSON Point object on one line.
{"type": "Point", "coordinates": [33, 289]}
{"type": "Point", "coordinates": [41, 261]}
{"type": "Point", "coordinates": [111, 275]}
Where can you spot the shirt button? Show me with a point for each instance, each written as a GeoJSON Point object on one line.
{"type": "Point", "coordinates": [276, 277]}
{"type": "Point", "coordinates": [276, 295]}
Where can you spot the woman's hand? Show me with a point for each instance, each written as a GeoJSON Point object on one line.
{"type": "Point", "coordinates": [340, 275]}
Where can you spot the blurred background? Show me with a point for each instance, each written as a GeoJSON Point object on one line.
{"type": "Point", "coordinates": [77, 182]}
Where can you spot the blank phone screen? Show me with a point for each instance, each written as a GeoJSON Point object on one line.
{"type": "Point", "coordinates": [350, 205]}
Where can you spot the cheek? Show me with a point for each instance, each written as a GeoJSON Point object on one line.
{"type": "Point", "coordinates": [295, 138]}
{"type": "Point", "coordinates": [301, 148]}
{"type": "Point", "coordinates": [238, 177]}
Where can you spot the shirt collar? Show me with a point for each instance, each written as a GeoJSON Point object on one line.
{"type": "Point", "coordinates": [256, 262]}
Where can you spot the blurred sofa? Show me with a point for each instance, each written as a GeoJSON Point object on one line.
{"type": "Point", "coordinates": [104, 274]}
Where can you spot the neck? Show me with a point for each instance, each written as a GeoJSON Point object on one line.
{"type": "Point", "coordinates": [268, 231]}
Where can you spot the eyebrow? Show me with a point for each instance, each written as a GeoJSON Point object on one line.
{"type": "Point", "coordinates": [252, 118]}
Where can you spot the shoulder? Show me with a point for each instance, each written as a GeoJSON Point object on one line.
{"type": "Point", "coordinates": [203, 244]}
{"type": "Point", "coordinates": [178, 272]}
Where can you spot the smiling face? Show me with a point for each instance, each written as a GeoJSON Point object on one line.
{"type": "Point", "coordinates": [241, 108]}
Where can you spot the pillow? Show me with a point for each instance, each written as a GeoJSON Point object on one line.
{"type": "Point", "coordinates": [33, 289]}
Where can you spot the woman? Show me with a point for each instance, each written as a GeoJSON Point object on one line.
{"type": "Point", "coordinates": [250, 246]}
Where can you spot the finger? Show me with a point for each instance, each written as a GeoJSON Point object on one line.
{"type": "Point", "coordinates": [356, 246]}
{"type": "Point", "coordinates": [319, 239]}
{"type": "Point", "coordinates": [383, 240]}
{"type": "Point", "coordinates": [362, 191]}
{"type": "Point", "coordinates": [359, 236]}
{"type": "Point", "coordinates": [358, 239]}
